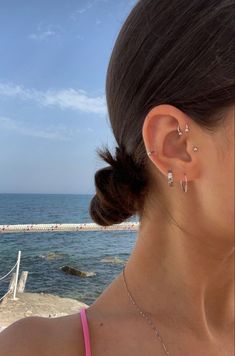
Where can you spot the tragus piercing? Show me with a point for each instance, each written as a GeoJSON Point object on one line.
{"type": "Point", "coordinates": [170, 178]}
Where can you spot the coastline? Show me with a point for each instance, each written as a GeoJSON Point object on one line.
{"type": "Point", "coordinates": [36, 304]}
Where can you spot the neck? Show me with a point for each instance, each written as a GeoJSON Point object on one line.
{"type": "Point", "coordinates": [186, 274]}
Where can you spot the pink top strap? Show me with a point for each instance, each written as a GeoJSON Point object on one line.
{"type": "Point", "coordinates": [85, 329]}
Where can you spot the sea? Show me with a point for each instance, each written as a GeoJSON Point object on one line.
{"type": "Point", "coordinates": [44, 253]}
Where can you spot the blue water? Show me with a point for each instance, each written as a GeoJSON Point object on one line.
{"type": "Point", "coordinates": [83, 250]}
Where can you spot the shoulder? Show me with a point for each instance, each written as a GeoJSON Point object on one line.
{"type": "Point", "coordinates": [23, 337]}
{"type": "Point", "coordinates": [43, 336]}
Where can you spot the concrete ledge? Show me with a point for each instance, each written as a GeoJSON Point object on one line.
{"type": "Point", "coordinates": [36, 304]}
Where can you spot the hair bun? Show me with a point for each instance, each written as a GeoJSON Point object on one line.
{"type": "Point", "coordinates": [118, 188]}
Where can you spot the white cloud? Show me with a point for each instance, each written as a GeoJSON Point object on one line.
{"type": "Point", "coordinates": [14, 91]}
{"type": "Point", "coordinates": [44, 32]}
{"type": "Point", "coordinates": [7, 123]}
{"type": "Point", "coordinates": [76, 100]}
{"type": "Point", "coordinates": [87, 7]}
{"type": "Point", "coordinates": [81, 11]}
{"type": "Point", "coordinates": [64, 99]}
{"type": "Point", "coordinates": [42, 35]}
{"type": "Point", "coordinates": [56, 132]}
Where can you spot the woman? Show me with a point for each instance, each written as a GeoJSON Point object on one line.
{"type": "Point", "coordinates": [170, 96]}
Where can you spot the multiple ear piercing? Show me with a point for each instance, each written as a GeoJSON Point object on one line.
{"type": "Point", "coordinates": [186, 129]}
{"type": "Point", "coordinates": [184, 182]}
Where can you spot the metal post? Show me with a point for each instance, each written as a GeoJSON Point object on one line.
{"type": "Point", "coordinates": [17, 275]}
{"type": "Point", "coordinates": [22, 281]}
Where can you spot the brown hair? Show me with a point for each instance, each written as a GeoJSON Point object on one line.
{"type": "Point", "coordinates": [177, 52]}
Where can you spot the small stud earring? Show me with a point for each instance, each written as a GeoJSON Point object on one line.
{"type": "Point", "coordinates": [150, 152]}
{"type": "Point", "coordinates": [195, 149]}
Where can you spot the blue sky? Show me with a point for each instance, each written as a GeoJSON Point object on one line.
{"type": "Point", "coordinates": [53, 61]}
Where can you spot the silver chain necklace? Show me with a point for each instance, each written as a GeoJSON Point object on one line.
{"type": "Point", "coordinates": [149, 321]}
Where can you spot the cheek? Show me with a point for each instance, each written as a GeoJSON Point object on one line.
{"type": "Point", "coordinates": [225, 175]}
{"type": "Point", "coordinates": [228, 194]}
{"type": "Point", "coordinates": [219, 193]}
{"type": "Point", "coordinates": [221, 174]}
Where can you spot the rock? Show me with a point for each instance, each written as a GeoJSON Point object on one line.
{"type": "Point", "coordinates": [28, 313]}
{"type": "Point", "coordinates": [111, 259]}
{"type": "Point", "coordinates": [52, 256]}
{"type": "Point", "coordinates": [53, 315]}
{"type": "Point", "coordinates": [76, 272]}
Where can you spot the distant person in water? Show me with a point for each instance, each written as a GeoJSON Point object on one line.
{"type": "Point", "coordinates": [170, 96]}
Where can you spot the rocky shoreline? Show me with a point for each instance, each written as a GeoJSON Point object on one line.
{"type": "Point", "coordinates": [36, 304]}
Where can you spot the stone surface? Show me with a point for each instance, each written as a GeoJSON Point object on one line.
{"type": "Point", "coordinates": [36, 304]}
{"type": "Point", "coordinates": [77, 272]}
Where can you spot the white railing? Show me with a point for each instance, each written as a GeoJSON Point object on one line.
{"type": "Point", "coordinates": [131, 226]}
{"type": "Point", "coordinates": [17, 265]}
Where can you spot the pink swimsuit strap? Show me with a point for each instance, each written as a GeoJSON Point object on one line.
{"type": "Point", "coordinates": [85, 329]}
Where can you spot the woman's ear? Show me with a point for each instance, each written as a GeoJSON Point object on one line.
{"type": "Point", "coordinates": [171, 150]}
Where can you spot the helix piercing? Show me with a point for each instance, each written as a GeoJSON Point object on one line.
{"type": "Point", "coordinates": [186, 129]}
{"type": "Point", "coordinates": [179, 130]}
{"type": "Point", "coordinates": [150, 152]}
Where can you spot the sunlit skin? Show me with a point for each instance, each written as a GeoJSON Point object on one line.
{"type": "Point", "coordinates": [181, 269]}
{"type": "Point", "coordinates": [182, 273]}
{"type": "Point", "coordinates": [188, 272]}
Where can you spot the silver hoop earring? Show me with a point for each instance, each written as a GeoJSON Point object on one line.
{"type": "Point", "coordinates": [184, 184]}
{"type": "Point", "coordinates": [170, 178]}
